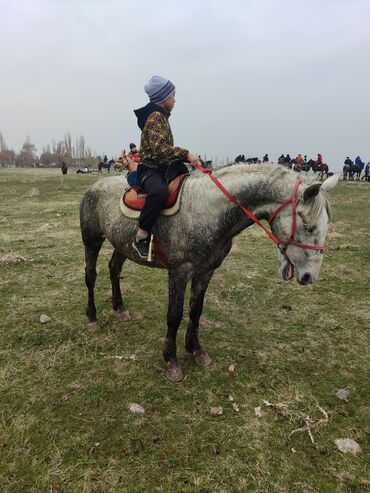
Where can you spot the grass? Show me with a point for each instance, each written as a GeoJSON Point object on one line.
{"type": "Point", "coordinates": [65, 423]}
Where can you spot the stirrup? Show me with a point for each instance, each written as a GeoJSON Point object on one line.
{"type": "Point", "coordinates": [150, 251]}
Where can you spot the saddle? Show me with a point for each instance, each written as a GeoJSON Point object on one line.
{"type": "Point", "coordinates": [133, 201]}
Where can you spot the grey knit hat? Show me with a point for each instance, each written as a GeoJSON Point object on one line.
{"type": "Point", "coordinates": [159, 89]}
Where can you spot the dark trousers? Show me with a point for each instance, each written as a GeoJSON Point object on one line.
{"type": "Point", "coordinates": [153, 183]}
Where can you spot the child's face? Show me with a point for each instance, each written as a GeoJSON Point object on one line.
{"type": "Point", "coordinates": [169, 103]}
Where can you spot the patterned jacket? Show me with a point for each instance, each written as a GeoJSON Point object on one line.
{"type": "Point", "coordinates": [157, 146]}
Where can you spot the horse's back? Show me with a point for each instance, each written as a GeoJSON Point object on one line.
{"type": "Point", "coordinates": [115, 185]}
{"type": "Point", "coordinates": [102, 196]}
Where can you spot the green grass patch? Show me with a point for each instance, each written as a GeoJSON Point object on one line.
{"type": "Point", "coordinates": [64, 393]}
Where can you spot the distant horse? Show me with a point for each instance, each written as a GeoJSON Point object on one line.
{"type": "Point", "coordinates": [356, 170]}
{"type": "Point", "coordinates": [196, 240]}
{"type": "Point", "coordinates": [250, 160]}
{"type": "Point", "coordinates": [346, 171]}
{"type": "Point", "coordinates": [350, 171]}
{"type": "Point", "coordinates": [321, 169]}
{"type": "Point", "coordinates": [253, 160]}
{"type": "Point", "coordinates": [303, 166]}
{"type": "Point", "coordinates": [106, 165]}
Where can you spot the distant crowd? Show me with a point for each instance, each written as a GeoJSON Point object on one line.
{"type": "Point", "coordinates": [285, 160]}
{"type": "Point", "coordinates": [351, 168]}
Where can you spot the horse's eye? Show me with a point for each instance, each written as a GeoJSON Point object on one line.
{"type": "Point", "coordinates": [310, 230]}
{"type": "Point", "coordinates": [304, 226]}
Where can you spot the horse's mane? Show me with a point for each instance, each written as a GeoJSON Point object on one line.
{"type": "Point", "coordinates": [275, 173]}
{"type": "Point", "coordinates": [242, 169]}
{"type": "Point", "coordinates": [319, 203]}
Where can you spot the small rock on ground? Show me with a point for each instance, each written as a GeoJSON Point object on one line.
{"type": "Point", "coordinates": [44, 319]}
{"type": "Point", "coordinates": [136, 408]}
{"type": "Point", "coordinates": [348, 446]}
{"type": "Point", "coordinates": [217, 411]}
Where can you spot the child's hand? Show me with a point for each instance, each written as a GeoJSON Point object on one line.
{"type": "Point", "coordinates": [193, 160]}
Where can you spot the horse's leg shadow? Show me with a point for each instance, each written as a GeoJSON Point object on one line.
{"type": "Point", "coordinates": [92, 248]}
{"type": "Point", "coordinates": [115, 268]}
{"type": "Point", "coordinates": [177, 282]}
{"type": "Point", "coordinates": [199, 287]}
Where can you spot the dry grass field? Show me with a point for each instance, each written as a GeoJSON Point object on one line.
{"type": "Point", "coordinates": [280, 352]}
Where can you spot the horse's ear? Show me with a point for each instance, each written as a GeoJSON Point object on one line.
{"type": "Point", "coordinates": [311, 192]}
{"type": "Point", "coordinates": [330, 183]}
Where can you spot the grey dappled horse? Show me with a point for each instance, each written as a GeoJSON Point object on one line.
{"type": "Point", "coordinates": [196, 240]}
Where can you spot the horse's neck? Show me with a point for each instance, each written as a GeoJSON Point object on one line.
{"type": "Point", "coordinates": [254, 191]}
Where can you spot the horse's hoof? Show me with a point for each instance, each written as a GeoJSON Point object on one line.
{"type": "Point", "coordinates": [173, 372]}
{"type": "Point", "coordinates": [201, 358]}
{"type": "Point", "coordinates": [123, 315]}
{"type": "Point", "coordinates": [93, 327]}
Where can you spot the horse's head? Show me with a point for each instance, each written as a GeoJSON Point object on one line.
{"type": "Point", "coordinates": [312, 216]}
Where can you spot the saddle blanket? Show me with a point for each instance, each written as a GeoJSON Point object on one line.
{"type": "Point", "coordinates": [132, 202]}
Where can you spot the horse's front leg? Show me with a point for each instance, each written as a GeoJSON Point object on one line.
{"type": "Point", "coordinates": [177, 281]}
{"type": "Point", "coordinates": [199, 287]}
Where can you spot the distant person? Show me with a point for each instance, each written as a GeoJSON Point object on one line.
{"type": "Point", "coordinates": [319, 160]}
{"type": "Point", "coordinates": [366, 176]}
{"type": "Point", "coordinates": [64, 168]}
{"type": "Point", "coordinates": [305, 158]}
{"type": "Point", "coordinates": [132, 165]}
{"type": "Point", "coordinates": [134, 153]}
{"type": "Point", "coordinates": [299, 161]}
{"type": "Point", "coordinates": [105, 160]}
{"type": "Point", "coordinates": [288, 159]}
{"type": "Point", "coordinates": [348, 161]}
{"type": "Point", "coordinates": [358, 161]}
{"type": "Point", "coordinates": [265, 158]}
{"type": "Point", "coordinates": [281, 159]}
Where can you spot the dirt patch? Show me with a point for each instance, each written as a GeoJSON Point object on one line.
{"type": "Point", "coordinates": [13, 257]}
{"type": "Point", "coordinates": [34, 192]}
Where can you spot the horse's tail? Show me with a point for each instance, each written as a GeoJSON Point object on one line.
{"type": "Point", "coordinates": [89, 219]}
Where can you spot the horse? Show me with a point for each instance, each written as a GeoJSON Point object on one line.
{"type": "Point", "coordinates": [106, 165]}
{"type": "Point", "coordinates": [355, 171]}
{"type": "Point", "coordinates": [321, 169]}
{"type": "Point", "coordinates": [346, 171]}
{"type": "Point", "coordinates": [350, 170]}
{"type": "Point", "coordinates": [196, 240]}
{"type": "Point", "coordinates": [303, 167]}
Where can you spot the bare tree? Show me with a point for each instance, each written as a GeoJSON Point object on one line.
{"type": "Point", "coordinates": [7, 156]}
{"type": "Point", "coordinates": [81, 143]}
{"type": "Point", "coordinates": [27, 156]}
{"type": "Point", "coordinates": [3, 146]}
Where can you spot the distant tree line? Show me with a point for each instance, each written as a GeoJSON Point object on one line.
{"type": "Point", "coordinates": [77, 154]}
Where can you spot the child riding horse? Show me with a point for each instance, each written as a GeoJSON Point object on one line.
{"type": "Point", "coordinates": [157, 152]}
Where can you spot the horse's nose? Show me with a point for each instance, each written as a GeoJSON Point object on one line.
{"type": "Point", "coordinates": [306, 278]}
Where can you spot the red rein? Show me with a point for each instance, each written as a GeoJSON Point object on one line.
{"type": "Point", "coordinates": [282, 245]}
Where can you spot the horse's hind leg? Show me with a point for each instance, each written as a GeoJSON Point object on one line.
{"type": "Point", "coordinates": [92, 248]}
{"type": "Point", "coordinates": [199, 287]}
{"type": "Point", "coordinates": [115, 268]}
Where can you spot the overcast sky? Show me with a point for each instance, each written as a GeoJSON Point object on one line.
{"type": "Point", "coordinates": [251, 76]}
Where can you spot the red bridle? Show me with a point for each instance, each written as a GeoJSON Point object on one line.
{"type": "Point", "coordinates": [282, 244]}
